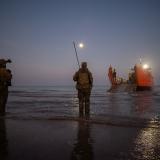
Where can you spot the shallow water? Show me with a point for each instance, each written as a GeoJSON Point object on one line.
{"type": "Point", "coordinates": [61, 101]}
{"type": "Point", "coordinates": [43, 123]}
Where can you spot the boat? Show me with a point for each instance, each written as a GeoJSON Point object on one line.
{"type": "Point", "coordinates": [143, 77]}
{"type": "Point", "coordinates": [140, 78]}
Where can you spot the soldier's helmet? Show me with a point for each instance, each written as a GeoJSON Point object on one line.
{"type": "Point", "coordinates": [3, 62]}
{"type": "Point", "coordinates": [84, 64]}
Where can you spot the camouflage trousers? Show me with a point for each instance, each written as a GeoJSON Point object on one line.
{"type": "Point", "coordinates": [3, 99]}
{"type": "Point", "coordinates": [84, 101]}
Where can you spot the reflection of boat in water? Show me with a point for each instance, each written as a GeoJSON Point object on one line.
{"type": "Point", "coordinates": [140, 78]}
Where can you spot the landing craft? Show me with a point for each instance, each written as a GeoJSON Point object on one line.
{"type": "Point", "coordinates": [143, 77]}
{"type": "Point", "coordinates": [140, 78]}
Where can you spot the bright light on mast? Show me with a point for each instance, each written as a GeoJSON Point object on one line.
{"type": "Point", "coordinates": [145, 66]}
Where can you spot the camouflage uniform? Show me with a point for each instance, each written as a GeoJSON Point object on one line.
{"type": "Point", "coordinates": [84, 80]}
{"type": "Point", "coordinates": [3, 98]}
{"type": "Point", "coordinates": [5, 81]}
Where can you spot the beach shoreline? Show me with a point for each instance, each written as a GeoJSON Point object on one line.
{"type": "Point", "coordinates": [61, 139]}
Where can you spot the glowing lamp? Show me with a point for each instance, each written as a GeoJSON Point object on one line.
{"type": "Point", "coordinates": [145, 66]}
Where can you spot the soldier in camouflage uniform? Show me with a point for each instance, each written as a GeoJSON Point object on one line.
{"type": "Point", "coordinates": [84, 80]}
{"type": "Point", "coordinates": [5, 81]}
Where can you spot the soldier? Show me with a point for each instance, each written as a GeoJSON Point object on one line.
{"type": "Point", "coordinates": [84, 80]}
{"type": "Point", "coordinates": [5, 81]}
{"type": "Point", "coordinates": [114, 77]}
{"type": "Point", "coordinates": [110, 74]}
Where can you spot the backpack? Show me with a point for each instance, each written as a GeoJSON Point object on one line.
{"type": "Point", "coordinates": [84, 80]}
{"type": "Point", "coordinates": [5, 76]}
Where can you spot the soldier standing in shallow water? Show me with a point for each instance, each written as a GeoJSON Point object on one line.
{"type": "Point", "coordinates": [114, 77]}
{"type": "Point", "coordinates": [5, 81]}
{"type": "Point", "coordinates": [84, 80]}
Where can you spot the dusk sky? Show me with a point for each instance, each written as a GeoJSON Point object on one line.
{"type": "Point", "coordinates": [38, 35]}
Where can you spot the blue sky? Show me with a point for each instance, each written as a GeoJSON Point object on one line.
{"type": "Point", "coordinates": [38, 34]}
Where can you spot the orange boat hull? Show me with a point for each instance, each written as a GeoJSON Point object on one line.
{"type": "Point", "coordinates": [144, 78]}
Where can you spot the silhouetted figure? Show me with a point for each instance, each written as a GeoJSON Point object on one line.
{"type": "Point", "coordinates": [3, 140]}
{"type": "Point", "coordinates": [83, 149]}
{"type": "Point", "coordinates": [114, 77]}
{"type": "Point", "coordinates": [110, 74]}
{"type": "Point", "coordinates": [5, 81]}
{"type": "Point", "coordinates": [84, 80]}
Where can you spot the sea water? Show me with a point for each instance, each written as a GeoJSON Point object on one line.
{"type": "Point", "coordinates": [123, 125]}
{"type": "Point", "coordinates": [49, 102]}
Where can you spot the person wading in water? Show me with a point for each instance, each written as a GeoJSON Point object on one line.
{"type": "Point", "coordinates": [84, 80]}
{"type": "Point", "coordinates": [5, 81]}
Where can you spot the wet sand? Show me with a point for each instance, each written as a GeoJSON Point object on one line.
{"type": "Point", "coordinates": [76, 140]}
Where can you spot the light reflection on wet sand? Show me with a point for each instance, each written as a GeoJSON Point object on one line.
{"type": "Point", "coordinates": [77, 140]}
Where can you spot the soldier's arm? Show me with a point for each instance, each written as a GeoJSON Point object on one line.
{"type": "Point", "coordinates": [91, 78]}
{"type": "Point", "coordinates": [75, 77]}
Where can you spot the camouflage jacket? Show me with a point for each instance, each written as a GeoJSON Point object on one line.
{"type": "Point", "coordinates": [83, 78]}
